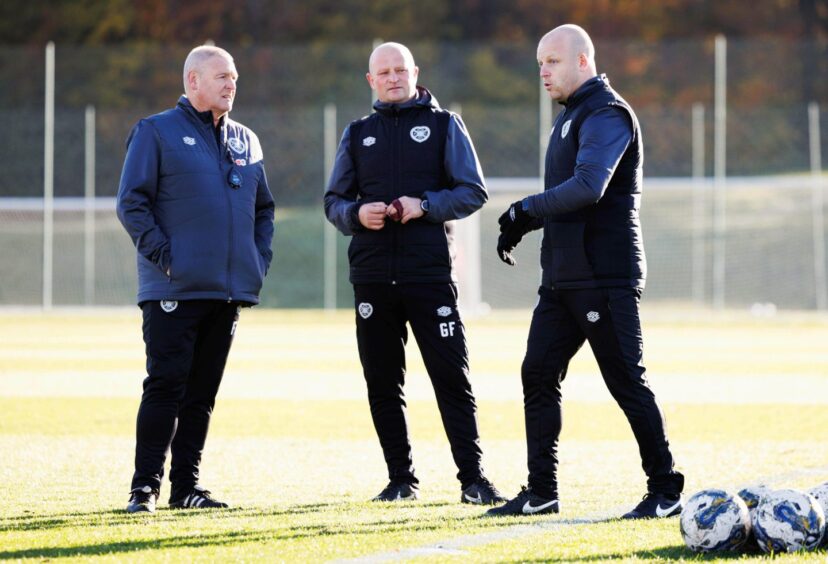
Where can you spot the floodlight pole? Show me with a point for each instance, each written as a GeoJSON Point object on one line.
{"type": "Point", "coordinates": [89, 207]}
{"type": "Point", "coordinates": [48, 175]}
{"type": "Point", "coordinates": [719, 173]}
{"type": "Point", "coordinates": [817, 207]}
{"type": "Point", "coordinates": [329, 147]}
{"type": "Point", "coordinates": [699, 223]}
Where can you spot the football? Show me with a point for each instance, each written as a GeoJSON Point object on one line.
{"type": "Point", "coordinates": [820, 493]}
{"type": "Point", "coordinates": [751, 495]}
{"type": "Point", "coordinates": [714, 520]}
{"type": "Point", "coordinates": [787, 521]}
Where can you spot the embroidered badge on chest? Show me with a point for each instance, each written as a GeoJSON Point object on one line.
{"type": "Point", "coordinates": [565, 128]}
{"type": "Point", "coordinates": [368, 141]}
{"type": "Point", "coordinates": [237, 145]}
{"type": "Point", "coordinates": [188, 140]}
{"type": "Point", "coordinates": [420, 133]}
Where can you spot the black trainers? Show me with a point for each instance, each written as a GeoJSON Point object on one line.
{"type": "Point", "coordinates": [198, 498]}
{"type": "Point", "coordinates": [526, 503]}
{"type": "Point", "coordinates": [482, 492]}
{"type": "Point", "coordinates": [142, 500]}
{"type": "Point", "coordinates": [398, 491]}
{"type": "Point", "coordinates": [655, 505]}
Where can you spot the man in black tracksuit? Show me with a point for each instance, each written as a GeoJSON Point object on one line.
{"type": "Point", "coordinates": [593, 274]}
{"type": "Point", "coordinates": [401, 175]}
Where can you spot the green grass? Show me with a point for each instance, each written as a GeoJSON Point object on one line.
{"type": "Point", "coordinates": [292, 446]}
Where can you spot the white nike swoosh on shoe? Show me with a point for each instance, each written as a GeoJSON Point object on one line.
{"type": "Point", "coordinates": [665, 512]}
{"type": "Point", "coordinates": [470, 499]}
{"type": "Point", "coordinates": [529, 509]}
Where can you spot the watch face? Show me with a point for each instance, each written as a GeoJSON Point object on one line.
{"type": "Point", "coordinates": [424, 205]}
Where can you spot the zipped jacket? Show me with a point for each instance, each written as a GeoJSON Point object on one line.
{"type": "Point", "coordinates": [412, 149]}
{"type": "Point", "coordinates": [195, 200]}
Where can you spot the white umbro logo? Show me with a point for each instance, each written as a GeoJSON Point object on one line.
{"type": "Point", "coordinates": [365, 310]}
{"type": "Point", "coordinates": [168, 305]}
{"type": "Point", "coordinates": [368, 141]}
{"type": "Point", "coordinates": [188, 140]}
{"type": "Point", "coordinates": [420, 133]}
{"type": "Point", "coordinates": [444, 311]}
{"type": "Point", "coordinates": [565, 128]}
{"type": "Point", "coordinates": [593, 316]}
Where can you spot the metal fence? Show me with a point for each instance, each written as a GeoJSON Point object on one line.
{"type": "Point", "coordinates": [771, 237]}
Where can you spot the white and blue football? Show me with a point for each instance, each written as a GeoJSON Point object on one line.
{"type": "Point", "coordinates": [820, 493]}
{"type": "Point", "coordinates": [751, 495]}
{"type": "Point", "coordinates": [714, 520]}
{"type": "Point", "coordinates": [787, 521]}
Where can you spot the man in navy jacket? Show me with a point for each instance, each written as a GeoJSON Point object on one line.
{"type": "Point", "coordinates": [194, 198]}
{"type": "Point", "coordinates": [592, 257]}
{"type": "Point", "coordinates": [400, 177]}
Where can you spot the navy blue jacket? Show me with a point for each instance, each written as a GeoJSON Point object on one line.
{"type": "Point", "coordinates": [177, 203]}
{"type": "Point", "coordinates": [590, 204]}
{"type": "Point", "coordinates": [412, 149]}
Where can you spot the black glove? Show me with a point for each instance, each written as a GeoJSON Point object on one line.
{"type": "Point", "coordinates": [514, 224]}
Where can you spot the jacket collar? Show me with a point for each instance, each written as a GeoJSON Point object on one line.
{"type": "Point", "coordinates": [587, 88]}
{"type": "Point", "coordinates": [422, 99]}
{"type": "Point", "coordinates": [203, 117]}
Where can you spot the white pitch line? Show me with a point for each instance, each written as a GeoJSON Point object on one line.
{"type": "Point", "coordinates": [456, 546]}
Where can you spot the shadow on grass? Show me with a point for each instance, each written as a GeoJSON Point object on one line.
{"type": "Point", "coordinates": [79, 519]}
{"type": "Point", "coordinates": [391, 521]}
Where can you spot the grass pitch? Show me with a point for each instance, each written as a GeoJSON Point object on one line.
{"type": "Point", "coordinates": [292, 447]}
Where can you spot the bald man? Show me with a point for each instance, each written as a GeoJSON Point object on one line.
{"type": "Point", "coordinates": [195, 200]}
{"type": "Point", "coordinates": [402, 175]}
{"type": "Point", "coordinates": [593, 274]}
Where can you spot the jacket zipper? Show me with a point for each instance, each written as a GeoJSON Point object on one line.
{"type": "Point", "coordinates": [395, 193]}
{"type": "Point", "coordinates": [221, 146]}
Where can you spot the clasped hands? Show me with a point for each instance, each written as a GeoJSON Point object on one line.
{"type": "Point", "coordinates": [514, 224]}
{"type": "Point", "coordinates": [405, 208]}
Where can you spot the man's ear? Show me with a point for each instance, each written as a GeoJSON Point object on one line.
{"type": "Point", "coordinates": [370, 80]}
{"type": "Point", "coordinates": [192, 80]}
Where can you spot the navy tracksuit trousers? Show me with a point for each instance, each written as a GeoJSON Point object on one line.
{"type": "Point", "coordinates": [186, 349]}
{"type": "Point", "coordinates": [608, 318]}
{"type": "Point", "coordinates": [382, 311]}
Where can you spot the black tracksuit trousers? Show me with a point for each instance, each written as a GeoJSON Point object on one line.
{"type": "Point", "coordinates": [382, 311]}
{"type": "Point", "coordinates": [186, 350]}
{"type": "Point", "coordinates": [608, 318]}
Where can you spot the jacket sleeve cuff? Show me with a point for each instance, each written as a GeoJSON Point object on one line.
{"type": "Point", "coordinates": [353, 216]}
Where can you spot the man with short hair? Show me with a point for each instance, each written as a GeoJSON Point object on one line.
{"type": "Point", "coordinates": [194, 198]}
{"type": "Point", "coordinates": [593, 274]}
{"type": "Point", "coordinates": [401, 176]}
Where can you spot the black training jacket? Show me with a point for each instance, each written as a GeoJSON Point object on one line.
{"type": "Point", "coordinates": [412, 149]}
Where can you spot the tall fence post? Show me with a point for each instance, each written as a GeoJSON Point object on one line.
{"type": "Point", "coordinates": [719, 174]}
{"type": "Point", "coordinates": [48, 176]}
{"type": "Point", "coordinates": [89, 207]}
{"type": "Point", "coordinates": [329, 269]}
{"type": "Point", "coordinates": [699, 222]}
{"type": "Point", "coordinates": [817, 207]}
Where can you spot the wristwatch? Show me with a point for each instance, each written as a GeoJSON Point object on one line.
{"type": "Point", "coordinates": [424, 206]}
